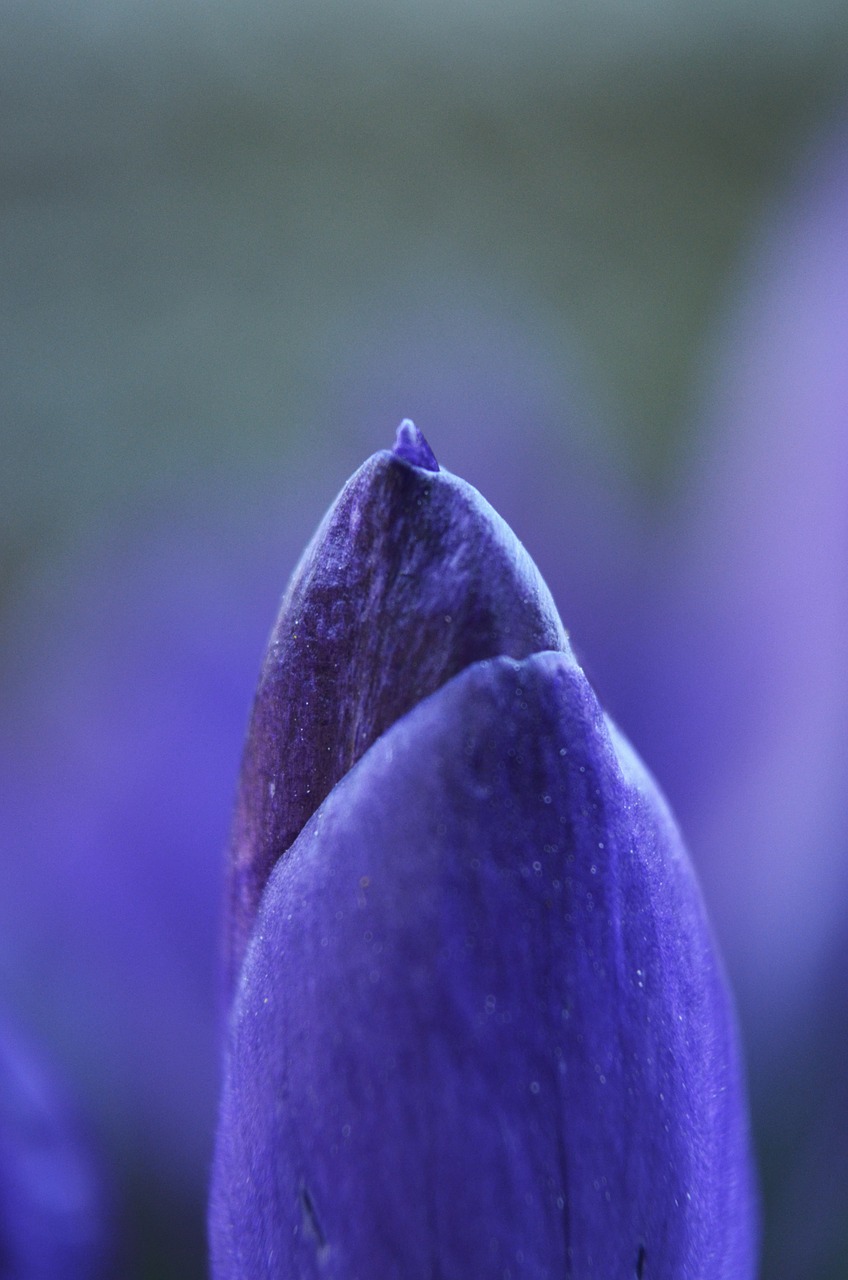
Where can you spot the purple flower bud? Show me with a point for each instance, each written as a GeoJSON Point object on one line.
{"type": "Point", "coordinates": [480, 1028]}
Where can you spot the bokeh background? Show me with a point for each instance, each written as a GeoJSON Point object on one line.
{"type": "Point", "coordinates": [598, 250]}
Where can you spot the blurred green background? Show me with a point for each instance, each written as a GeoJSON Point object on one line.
{"type": "Point", "coordinates": [214, 215]}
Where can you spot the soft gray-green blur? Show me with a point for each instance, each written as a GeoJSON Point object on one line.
{"type": "Point", "coordinates": [229, 230]}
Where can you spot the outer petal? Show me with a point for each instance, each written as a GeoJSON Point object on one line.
{"type": "Point", "coordinates": [481, 1029]}
{"type": "Point", "coordinates": [411, 572]}
{"type": "Point", "coordinates": [52, 1214]}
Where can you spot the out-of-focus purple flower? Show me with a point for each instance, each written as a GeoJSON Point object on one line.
{"type": "Point", "coordinates": [53, 1213]}
{"type": "Point", "coordinates": [778, 820]}
{"type": "Point", "coordinates": [479, 1025]}
{"type": "Point", "coordinates": [116, 737]}
{"type": "Point", "coordinates": [746, 716]}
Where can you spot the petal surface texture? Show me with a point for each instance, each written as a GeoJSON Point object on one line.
{"type": "Point", "coordinates": [481, 1029]}
{"type": "Point", "coordinates": [411, 577]}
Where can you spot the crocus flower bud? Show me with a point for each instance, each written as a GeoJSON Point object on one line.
{"type": "Point", "coordinates": [479, 1026]}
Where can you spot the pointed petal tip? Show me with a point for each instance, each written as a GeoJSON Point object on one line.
{"type": "Point", "coordinates": [412, 447]}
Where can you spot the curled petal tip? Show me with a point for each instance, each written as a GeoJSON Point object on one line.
{"type": "Point", "coordinates": [412, 447]}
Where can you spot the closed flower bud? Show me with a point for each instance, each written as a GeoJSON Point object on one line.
{"type": "Point", "coordinates": [478, 1025]}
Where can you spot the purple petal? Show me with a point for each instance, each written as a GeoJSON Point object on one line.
{"type": "Point", "coordinates": [411, 577]}
{"type": "Point", "coordinates": [481, 1028]}
{"type": "Point", "coordinates": [52, 1207]}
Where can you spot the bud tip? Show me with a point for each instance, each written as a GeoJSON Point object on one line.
{"type": "Point", "coordinates": [412, 447]}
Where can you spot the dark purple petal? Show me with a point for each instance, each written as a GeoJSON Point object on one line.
{"type": "Point", "coordinates": [52, 1207]}
{"type": "Point", "coordinates": [411, 577]}
{"type": "Point", "coordinates": [481, 1029]}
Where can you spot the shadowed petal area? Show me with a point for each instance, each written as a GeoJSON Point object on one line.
{"type": "Point", "coordinates": [411, 577]}
{"type": "Point", "coordinates": [52, 1214]}
{"type": "Point", "coordinates": [481, 1029]}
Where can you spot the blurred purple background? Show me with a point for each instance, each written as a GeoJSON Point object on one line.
{"type": "Point", "coordinates": [599, 253]}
